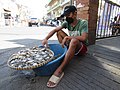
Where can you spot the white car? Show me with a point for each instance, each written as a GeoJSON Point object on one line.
{"type": "Point", "coordinates": [33, 21]}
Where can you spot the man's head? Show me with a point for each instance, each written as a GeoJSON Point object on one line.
{"type": "Point", "coordinates": [70, 12]}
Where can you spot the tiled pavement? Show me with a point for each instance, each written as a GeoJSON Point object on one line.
{"type": "Point", "coordinates": [98, 70]}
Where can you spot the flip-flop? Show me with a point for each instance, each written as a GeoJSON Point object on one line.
{"type": "Point", "coordinates": [55, 79]}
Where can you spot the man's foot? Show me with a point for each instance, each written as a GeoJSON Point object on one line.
{"type": "Point", "coordinates": [54, 80]}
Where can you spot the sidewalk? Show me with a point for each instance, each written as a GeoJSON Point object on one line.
{"type": "Point", "coordinates": [98, 70]}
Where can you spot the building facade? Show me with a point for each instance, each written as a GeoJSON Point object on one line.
{"type": "Point", "coordinates": [12, 13]}
{"type": "Point", "coordinates": [55, 8]}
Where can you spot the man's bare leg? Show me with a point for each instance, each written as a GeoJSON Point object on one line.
{"type": "Point", "coordinates": [74, 44]}
{"type": "Point", "coordinates": [60, 35]}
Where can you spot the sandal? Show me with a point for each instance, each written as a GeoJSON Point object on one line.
{"type": "Point", "coordinates": [55, 80]}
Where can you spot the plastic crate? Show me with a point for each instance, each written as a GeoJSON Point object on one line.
{"type": "Point", "coordinates": [49, 68]}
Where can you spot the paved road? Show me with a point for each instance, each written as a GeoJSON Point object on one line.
{"type": "Point", "coordinates": [13, 37]}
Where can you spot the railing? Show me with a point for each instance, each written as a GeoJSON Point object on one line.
{"type": "Point", "coordinates": [106, 24]}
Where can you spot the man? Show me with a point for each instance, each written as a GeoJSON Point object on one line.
{"type": "Point", "coordinates": [76, 42]}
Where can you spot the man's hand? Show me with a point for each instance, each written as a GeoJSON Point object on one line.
{"type": "Point", "coordinates": [67, 38]}
{"type": "Point", "coordinates": [63, 41]}
{"type": "Point", "coordinates": [45, 42]}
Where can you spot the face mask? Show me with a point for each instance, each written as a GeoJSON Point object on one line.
{"type": "Point", "coordinates": [69, 20]}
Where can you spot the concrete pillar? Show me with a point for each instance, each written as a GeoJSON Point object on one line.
{"type": "Point", "coordinates": [88, 9]}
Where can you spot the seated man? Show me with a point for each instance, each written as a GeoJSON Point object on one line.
{"type": "Point", "coordinates": [76, 42]}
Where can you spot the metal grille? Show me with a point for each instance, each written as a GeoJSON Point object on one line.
{"type": "Point", "coordinates": [106, 26]}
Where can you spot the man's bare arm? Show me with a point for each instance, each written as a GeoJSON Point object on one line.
{"type": "Point", "coordinates": [53, 32]}
{"type": "Point", "coordinates": [83, 37]}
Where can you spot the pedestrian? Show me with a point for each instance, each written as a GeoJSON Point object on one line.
{"type": "Point", "coordinates": [76, 41]}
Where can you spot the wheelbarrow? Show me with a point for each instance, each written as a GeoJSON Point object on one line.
{"type": "Point", "coordinates": [49, 68]}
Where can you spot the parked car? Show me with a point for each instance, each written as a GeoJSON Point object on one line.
{"type": "Point", "coordinates": [52, 22]}
{"type": "Point", "coordinates": [33, 21]}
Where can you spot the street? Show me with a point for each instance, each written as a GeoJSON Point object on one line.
{"type": "Point", "coordinates": [22, 36]}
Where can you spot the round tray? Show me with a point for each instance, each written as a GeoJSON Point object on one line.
{"type": "Point", "coordinates": [30, 58]}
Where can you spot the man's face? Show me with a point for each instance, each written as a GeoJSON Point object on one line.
{"type": "Point", "coordinates": [70, 17]}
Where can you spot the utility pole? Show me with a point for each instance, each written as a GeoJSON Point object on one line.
{"type": "Point", "coordinates": [70, 2]}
